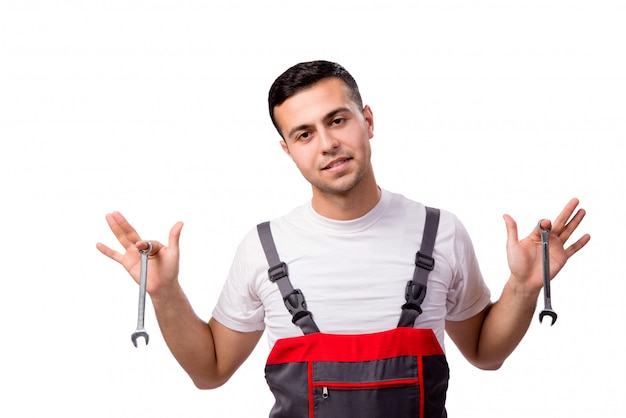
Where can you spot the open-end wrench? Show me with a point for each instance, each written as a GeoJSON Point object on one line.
{"type": "Point", "coordinates": [545, 249]}
{"type": "Point", "coordinates": [143, 279]}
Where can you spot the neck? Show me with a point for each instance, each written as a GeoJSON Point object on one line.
{"type": "Point", "coordinates": [345, 206]}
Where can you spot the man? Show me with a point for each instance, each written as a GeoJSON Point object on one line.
{"type": "Point", "coordinates": [351, 250]}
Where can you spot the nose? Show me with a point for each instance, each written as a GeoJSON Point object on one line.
{"type": "Point", "coordinates": [328, 142]}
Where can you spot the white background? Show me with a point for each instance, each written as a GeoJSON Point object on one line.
{"type": "Point", "coordinates": [158, 109]}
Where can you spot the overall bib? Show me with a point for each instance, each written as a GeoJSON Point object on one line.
{"type": "Point", "coordinates": [398, 373]}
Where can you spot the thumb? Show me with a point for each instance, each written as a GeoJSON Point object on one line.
{"type": "Point", "coordinates": [175, 236]}
{"type": "Point", "coordinates": [511, 231]}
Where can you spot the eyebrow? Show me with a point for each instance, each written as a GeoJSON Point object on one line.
{"type": "Point", "coordinates": [328, 116]}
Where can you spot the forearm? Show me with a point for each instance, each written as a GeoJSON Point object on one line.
{"type": "Point", "coordinates": [188, 337]}
{"type": "Point", "coordinates": [488, 338]}
{"type": "Point", "coordinates": [505, 324]}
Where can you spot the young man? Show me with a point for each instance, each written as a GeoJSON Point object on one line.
{"type": "Point", "coordinates": [350, 250]}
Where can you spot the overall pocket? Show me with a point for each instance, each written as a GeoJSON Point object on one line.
{"type": "Point", "coordinates": [391, 374]}
{"type": "Point", "coordinates": [373, 389]}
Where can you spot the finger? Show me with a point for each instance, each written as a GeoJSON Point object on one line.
{"type": "Point", "coordinates": [155, 246]}
{"type": "Point", "coordinates": [545, 224]}
{"type": "Point", "coordinates": [511, 231]}
{"type": "Point", "coordinates": [123, 231]}
{"type": "Point", "coordinates": [573, 249]}
{"type": "Point", "coordinates": [572, 225]}
{"type": "Point", "coordinates": [174, 237]}
{"type": "Point", "coordinates": [112, 254]}
{"type": "Point", "coordinates": [561, 221]}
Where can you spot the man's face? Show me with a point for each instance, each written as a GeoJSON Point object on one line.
{"type": "Point", "coordinates": [327, 136]}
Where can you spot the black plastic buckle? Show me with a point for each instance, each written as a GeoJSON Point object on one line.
{"type": "Point", "coordinates": [414, 295]}
{"type": "Point", "coordinates": [277, 272]}
{"type": "Point", "coordinates": [296, 305]}
{"type": "Point", "coordinates": [424, 261]}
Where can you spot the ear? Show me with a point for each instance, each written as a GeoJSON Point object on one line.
{"type": "Point", "coordinates": [369, 119]}
{"type": "Point", "coordinates": [284, 146]}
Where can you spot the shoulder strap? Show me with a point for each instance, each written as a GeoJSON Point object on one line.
{"type": "Point", "coordinates": [293, 298]}
{"type": "Point", "coordinates": [424, 264]}
{"type": "Point", "coordinates": [415, 288]}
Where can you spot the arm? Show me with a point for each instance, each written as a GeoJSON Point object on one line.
{"type": "Point", "coordinates": [209, 352]}
{"type": "Point", "coordinates": [488, 338]}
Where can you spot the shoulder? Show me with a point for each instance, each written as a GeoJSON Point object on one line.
{"type": "Point", "coordinates": [399, 205]}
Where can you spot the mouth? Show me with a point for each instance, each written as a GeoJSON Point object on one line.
{"type": "Point", "coordinates": [336, 163]}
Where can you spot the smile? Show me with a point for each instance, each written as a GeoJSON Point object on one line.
{"type": "Point", "coordinates": [336, 163]}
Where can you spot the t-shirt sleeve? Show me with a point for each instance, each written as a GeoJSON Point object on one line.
{"type": "Point", "coordinates": [468, 294]}
{"type": "Point", "coordinates": [239, 306]}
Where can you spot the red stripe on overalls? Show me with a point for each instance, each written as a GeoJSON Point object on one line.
{"type": "Point", "coordinates": [311, 398]}
{"type": "Point", "coordinates": [420, 376]}
{"type": "Point", "coordinates": [362, 347]}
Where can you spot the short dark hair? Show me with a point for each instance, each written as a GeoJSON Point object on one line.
{"type": "Point", "coordinates": [304, 75]}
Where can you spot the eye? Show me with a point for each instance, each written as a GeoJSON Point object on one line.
{"type": "Point", "coordinates": [303, 136]}
{"type": "Point", "coordinates": [338, 121]}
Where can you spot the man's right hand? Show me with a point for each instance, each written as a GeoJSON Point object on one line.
{"type": "Point", "coordinates": [209, 352]}
{"type": "Point", "coordinates": [164, 261]}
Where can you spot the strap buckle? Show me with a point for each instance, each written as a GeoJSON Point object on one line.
{"type": "Point", "coordinates": [296, 305]}
{"type": "Point", "coordinates": [414, 295]}
{"type": "Point", "coordinates": [277, 272]}
{"type": "Point", "coordinates": [424, 261]}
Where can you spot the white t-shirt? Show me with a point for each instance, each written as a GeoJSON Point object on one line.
{"type": "Point", "coordinates": [353, 273]}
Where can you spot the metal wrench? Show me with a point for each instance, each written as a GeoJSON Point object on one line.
{"type": "Point", "coordinates": [143, 278]}
{"type": "Point", "coordinates": [545, 249]}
